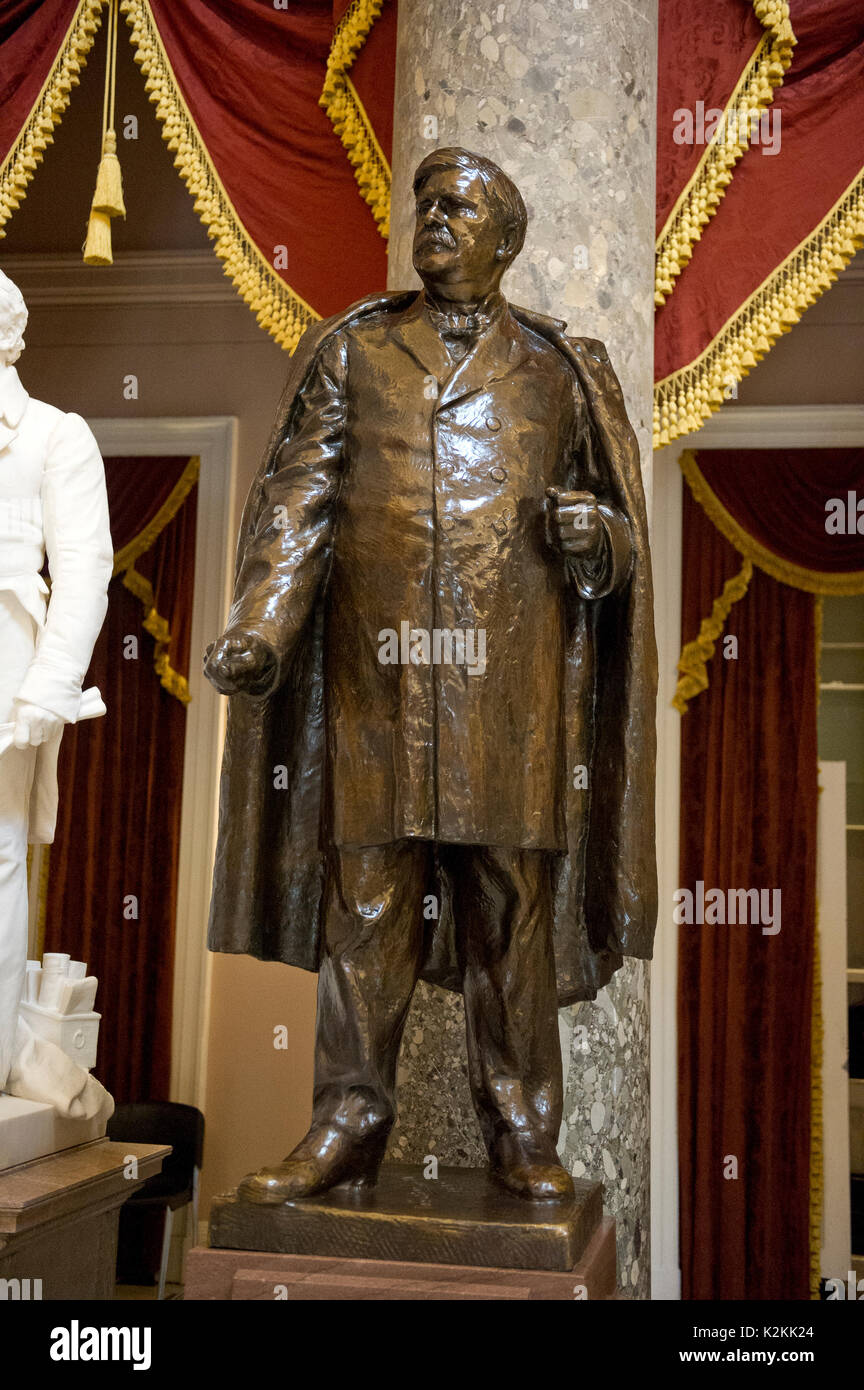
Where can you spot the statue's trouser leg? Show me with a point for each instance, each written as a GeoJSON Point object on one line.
{"type": "Point", "coordinates": [374, 944]}
{"type": "Point", "coordinates": [502, 901]}
{"type": "Point", "coordinates": [16, 779]}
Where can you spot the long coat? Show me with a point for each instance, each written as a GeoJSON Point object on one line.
{"type": "Point", "coordinates": [398, 491]}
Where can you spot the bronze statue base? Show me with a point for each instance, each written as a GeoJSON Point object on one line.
{"type": "Point", "coordinates": [461, 1217]}
{"type": "Point", "coordinates": [250, 1276]}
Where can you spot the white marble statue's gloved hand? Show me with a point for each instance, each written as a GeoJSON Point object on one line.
{"type": "Point", "coordinates": [35, 725]}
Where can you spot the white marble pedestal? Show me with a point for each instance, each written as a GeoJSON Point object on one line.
{"type": "Point", "coordinates": [29, 1130]}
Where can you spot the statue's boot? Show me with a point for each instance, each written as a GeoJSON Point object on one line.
{"type": "Point", "coordinates": [530, 1170]}
{"type": "Point", "coordinates": [328, 1156]}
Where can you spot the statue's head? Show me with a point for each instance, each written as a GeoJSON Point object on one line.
{"type": "Point", "coordinates": [13, 321]}
{"type": "Point", "coordinates": [471, 221]}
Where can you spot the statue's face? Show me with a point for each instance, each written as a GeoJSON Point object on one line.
{"type": "Point", "coordinates": [457, 237]}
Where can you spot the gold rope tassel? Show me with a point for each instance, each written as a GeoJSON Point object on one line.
{"type": "Point", "coordinates": [156, 625]}
{"type": "Point", "coordinates": [108, 198]}
{"type": "Point", "coordinates": [97, 247]}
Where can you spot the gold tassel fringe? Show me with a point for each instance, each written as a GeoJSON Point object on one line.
{"type": "Point", "coordinates": [693, 663]}
{"type": "Point", "coordinates": [685, 399]}
{"type": "Point", "coordinates": [124, 562]}
{"type": "Point", "coordinates": [701, 197]}
{"type": "Point", "coordinates": [279, 309]}
{"type": "Point", "coordinates": [158, 628]}
{"type": "Point", "coordinates": [37, 133]}
{"type": "Point", "coordinates": [97, 247]}
{"type": "Point", "coordinates": [340, 100]}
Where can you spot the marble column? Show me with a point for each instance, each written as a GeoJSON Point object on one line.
{"type": "Point", "coordinates": [562, 94]}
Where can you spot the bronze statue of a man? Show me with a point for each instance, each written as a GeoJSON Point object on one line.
{"type": "Point", "coordinates": [441, 663]}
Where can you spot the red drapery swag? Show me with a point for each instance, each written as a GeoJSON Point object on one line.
{"type": "Point", "coordinates": [43, 46]}
{"type": "Point", "coordinates": [750, 1167]}
{"type": "Point", "coordinates": [735, 59]}
{"type": "Point", "coordinates": [112, 870]}
{"type": "Point", "coordinates": [279, 119]}
{"type": "Point", "coordinates": [747, 241]}
{"type": "Point", "coordinates": [236, 85]}
{"type": "Point", "coordinates": [760, 152]}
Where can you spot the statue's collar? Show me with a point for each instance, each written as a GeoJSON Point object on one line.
{"type": "Point", "coordinates": [13, 397]}
{"type": "Point", "coordinates": [469, 324]}
{"type": "Point", "coordinates": [495, 352]}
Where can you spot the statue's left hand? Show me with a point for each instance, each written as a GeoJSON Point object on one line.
{"type": "Point", "coordinates": [34, 725]}
{"type": "Point", "coordinates": [576, 524]}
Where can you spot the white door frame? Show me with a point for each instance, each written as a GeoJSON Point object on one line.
{"type": "Point", "coordinates": [214, 440]}
{"type": "Point", "coordinates": [734, 427]}
{"type": "Point", "coordinates": [666, 557]}
{"type": "Point", "coordinates": [836, 1252]}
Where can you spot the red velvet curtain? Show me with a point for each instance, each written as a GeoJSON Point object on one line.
{"type": "Point", "coordinates": [112, 885]}
{"type": "Point", "coordinates": [748, 821]}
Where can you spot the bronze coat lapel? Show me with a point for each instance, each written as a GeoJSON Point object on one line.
{"type": "Point", "coordinates": [498, 352]}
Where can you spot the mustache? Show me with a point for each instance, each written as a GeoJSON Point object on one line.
{"type": "Point", "coordinates": [441, 238]}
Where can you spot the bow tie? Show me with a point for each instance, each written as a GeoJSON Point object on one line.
{"type": "Point", "coordinates": [459, 325]}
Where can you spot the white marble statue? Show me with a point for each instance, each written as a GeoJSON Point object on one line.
{"type": "Point", "coordinates": [52, 502]}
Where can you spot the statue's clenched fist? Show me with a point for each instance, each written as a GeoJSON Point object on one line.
{"type": "Point", "coordinates": [576, 525]}
{"type": "Point", "coordinates": [34, 725]}
{"type": "Point", "coordinates": [239, 663]}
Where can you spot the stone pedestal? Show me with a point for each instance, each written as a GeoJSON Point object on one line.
{"type": "Point", "coordinates": [59, 1217]}
{"type": "Point", "coordinates": [561, 94]}
{"type": "Point", "coordinates": [460, 1217]}
{"type": "Point", "coordinates": [31, 1129]}
{"type": "Point", "coordinates": [457, 1236]}
{"type": "Point", "coordinates": [247, 1275]}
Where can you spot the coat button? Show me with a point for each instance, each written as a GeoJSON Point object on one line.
{"type": "Point", "coordinates": [499, 474]}
{"type": "Point", "coordinates": [447, 523]}
{"type": "Point", "coordinates": [493, 423]}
